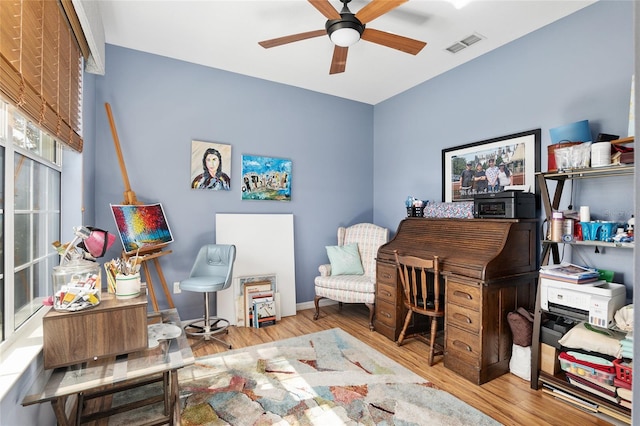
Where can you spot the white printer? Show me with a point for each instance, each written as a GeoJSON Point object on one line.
{"type": "Point", "coordinates": [594, 302]}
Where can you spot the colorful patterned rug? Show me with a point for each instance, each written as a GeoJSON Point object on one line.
{"type": "Point", "coordinates": [324, 378]}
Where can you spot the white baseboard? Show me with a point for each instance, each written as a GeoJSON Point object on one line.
{"type": "Point", "coordinates": [299, 306]}
{"type": "Point", "coordinates": [310, 305]}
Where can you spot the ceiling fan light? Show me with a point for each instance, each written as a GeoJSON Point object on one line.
{"type": "Point", "coordinates": [346, 31]}
{"type": "Point", "coordinates": [345, 37]}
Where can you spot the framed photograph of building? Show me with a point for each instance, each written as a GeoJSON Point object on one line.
{"type": "Point", "coordinates": [492, 165]}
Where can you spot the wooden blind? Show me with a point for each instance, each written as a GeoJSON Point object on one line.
{"type": "Point", "coordinates": [41, 66]}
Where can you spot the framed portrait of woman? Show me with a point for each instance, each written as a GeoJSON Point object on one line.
{"type": "Point", "coordinates": [210, 166]}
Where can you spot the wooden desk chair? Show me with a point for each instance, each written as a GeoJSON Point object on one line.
{"type": "Point", "coordinates": [421, 285]}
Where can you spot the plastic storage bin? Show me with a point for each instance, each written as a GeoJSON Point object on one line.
{"type": "Point", "coordinates": [624, 370]}
{"type": "Point", "coordinates": [599, 376]}
{"type": "Point", "coordinates": [76, 285]}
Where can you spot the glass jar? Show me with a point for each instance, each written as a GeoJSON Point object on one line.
{"type": "Point", "coordinates": [76, 285]}
{"type": "Point", "coordinates": [557, 226]}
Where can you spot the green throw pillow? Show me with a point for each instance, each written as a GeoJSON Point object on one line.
{"type": "Point", "coordinates": [345, 260]}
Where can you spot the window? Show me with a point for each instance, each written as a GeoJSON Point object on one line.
{"type": "Point", "coordinates": [30, 162]}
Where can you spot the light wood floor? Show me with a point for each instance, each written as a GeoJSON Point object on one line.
{"type": "Point", "coordinates": [508, 399]}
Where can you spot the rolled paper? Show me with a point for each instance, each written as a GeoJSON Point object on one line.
{"type": "Point", "coordinates": [585, 215]}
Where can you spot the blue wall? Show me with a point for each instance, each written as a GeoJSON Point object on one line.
{"type": "Point", "coordinates": [346, 154]}
{"type": "Point", "coordinates": [351, 162]}
{"type": "Point", "coordinates": [160, 105]}
{"type": "Point", "coordinates": [565, 72]}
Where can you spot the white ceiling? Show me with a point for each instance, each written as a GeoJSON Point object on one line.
{"type": "Point", "coordinates": [225, 35]}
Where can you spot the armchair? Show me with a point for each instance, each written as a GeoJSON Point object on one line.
{"type": "Point", "coordinates": [352, 284]}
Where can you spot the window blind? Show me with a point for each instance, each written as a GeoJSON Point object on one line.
{"type": "Point", "coordinates": [41, 66]}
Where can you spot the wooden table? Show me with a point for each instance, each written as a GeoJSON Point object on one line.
{"type": "Point", "coordinates": [73, 386]}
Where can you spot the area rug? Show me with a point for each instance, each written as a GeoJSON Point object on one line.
{"type": "Point", "coordinates": [324, 378]}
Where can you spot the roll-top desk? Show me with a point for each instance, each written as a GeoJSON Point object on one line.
{"type": "Point", "coordinates": [490, 269]}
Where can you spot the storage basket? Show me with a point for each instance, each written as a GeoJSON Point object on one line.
{"type": "Point", "coordinates": [415, 211]}
{"type": "Point", "coordinates": [624, 370]}
{"type": "Point", "coordinates": [597, 375]}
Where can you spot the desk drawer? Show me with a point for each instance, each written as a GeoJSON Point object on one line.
{"type": "Point", "coordinates": [386, 313]}
{"type": "Point", "coordinates": [463, 295]}
{"type": "Point", "coordinates": [465, 318]}
{"type": "Point", "coordinates": [385, 292]}
{"type": "Point", "coordinates": [463, 345]}
{"type": "Point", "coordinates": [386, 273]}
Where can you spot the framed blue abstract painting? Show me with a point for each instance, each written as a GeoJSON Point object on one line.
{"type": "Point", "coordinates": [266, 178]}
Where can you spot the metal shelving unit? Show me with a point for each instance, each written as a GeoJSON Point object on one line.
{"type": "Point", "coordinates": [550, 205]}
{"type": "Point", "coordinates": [593, 244]}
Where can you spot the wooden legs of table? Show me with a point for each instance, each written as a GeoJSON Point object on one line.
{"type": "Point", "coordinates": [75, 404]}
{"type": "Point", "coordinates": [59, 409]}
{"type": "Point", "coordinates": [175, 398]}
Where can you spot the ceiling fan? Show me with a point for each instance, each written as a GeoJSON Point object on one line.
{"type": "Point", "coordinates": [346, 28]}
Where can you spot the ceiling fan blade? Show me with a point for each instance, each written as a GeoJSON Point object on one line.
{"type": "Point", "coordinates": [393, 41]}
{"type": "Point", "coordinates": [377, 8]}
{"type": "Point", "coordinates": [291, 38]}
{"type": "Point", "coordinates": [339, 61]}
{"type": "Point", "coordinates": [325, 8]}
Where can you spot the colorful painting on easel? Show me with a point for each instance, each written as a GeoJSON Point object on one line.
{"type": "Point", "coordinates": [266, 178]}
{"type": "Point", "coordinates": [141, 227]}
{"type": "Point", "coordinates": [210, 166]}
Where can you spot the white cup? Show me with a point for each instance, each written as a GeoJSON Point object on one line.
{"type": "Point", "coordinates": [127, 286]}
{"type": "Point", "coordinates": [585, 215]}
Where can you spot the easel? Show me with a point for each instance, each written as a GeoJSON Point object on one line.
{"type": "Point", "coordinates": [151, 253]}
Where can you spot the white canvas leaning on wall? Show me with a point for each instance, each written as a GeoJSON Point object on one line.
{"type": "Point", "coordinates": [264, 245]}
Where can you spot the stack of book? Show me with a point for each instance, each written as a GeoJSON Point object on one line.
{"type": "Point", "coordinates": [585, 403]}
{"type": "Point", "coordinates": [569, 397]}
{"type": "Point", "coordinates": [569, 272]}
{"type": "Point", "coordinates": [259, 304]}
{"type": "Point", "coordinates": [264, 310]}
{"type": "Point", "coordinates": [625, 393]}
{"type": "Point", "coordinates": [603, 390]}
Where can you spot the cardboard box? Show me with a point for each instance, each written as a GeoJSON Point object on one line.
{"type": "Point", "coordinates": [549, 362]}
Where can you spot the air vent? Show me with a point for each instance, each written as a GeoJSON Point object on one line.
{"type": "Point", "coordinates": [465, 42]}
{"type": "Point", "coordinates": [472, 39]}
{"type": "Point", "coordinates": [455, 48]}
